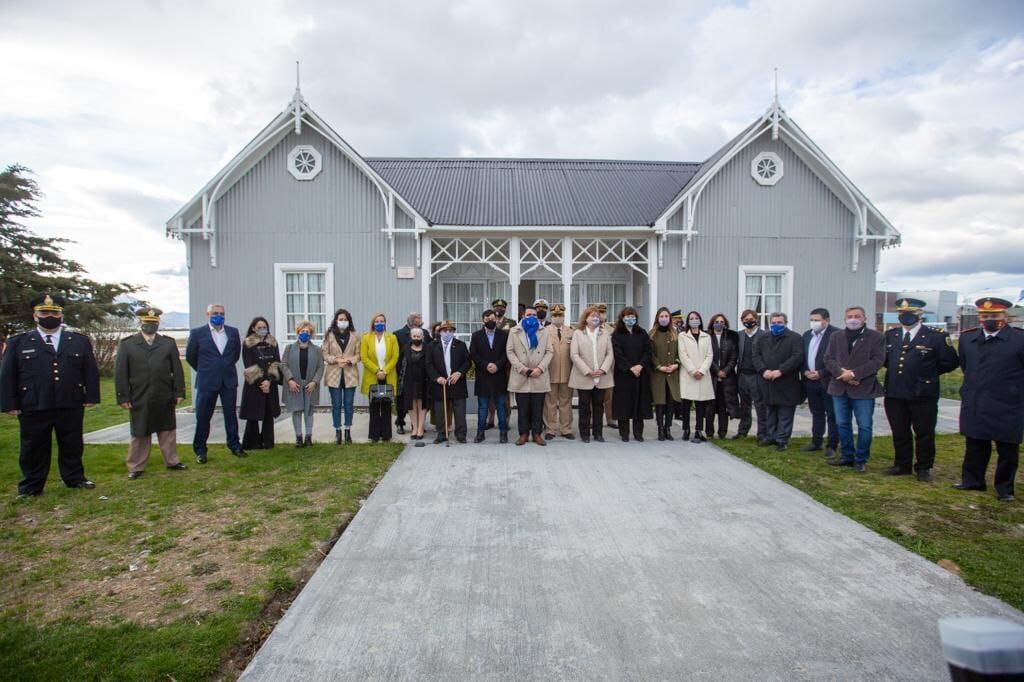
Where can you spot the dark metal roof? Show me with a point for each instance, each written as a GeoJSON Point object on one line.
{"type": "Point", "coordinates": [514, 192]}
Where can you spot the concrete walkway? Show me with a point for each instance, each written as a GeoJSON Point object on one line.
{"type": "Point", "coordinates": [323, 431]}
{"type": "Point", "coordinates": [610, 561]}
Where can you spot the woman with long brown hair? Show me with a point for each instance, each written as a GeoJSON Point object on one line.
{"type": "Point", "coordinates": [631, 397]}
{"type": "Point", "coordinates": [665, 377]}
{"type": "Point", "coordinates": [725, 345]}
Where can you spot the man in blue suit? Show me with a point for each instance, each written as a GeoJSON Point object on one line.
{"type": "Point", "coordinates": [816, 378]}
{"type": "Point", "coordinates": [212, 351]}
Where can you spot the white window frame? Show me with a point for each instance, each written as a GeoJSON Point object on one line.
{"type": "Point", "coordinates": [281, 330]}
{"type": "Point", "coordinates": [787, 287]}
{"type": "Point", "coordinates": [463, 334]}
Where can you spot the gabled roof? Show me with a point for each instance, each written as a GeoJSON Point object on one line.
{"type": "Point", "coordinates": [536, 192]}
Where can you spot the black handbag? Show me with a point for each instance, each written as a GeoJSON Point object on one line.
{"type": "Point", "coordinates": [382, 393]}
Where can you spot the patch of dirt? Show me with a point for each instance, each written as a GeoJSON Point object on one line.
{"type": "Point", "coordinates": [950, 566]}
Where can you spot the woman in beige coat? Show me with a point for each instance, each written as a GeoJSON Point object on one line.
{"type": "Point", "coordinates": [695, 378]}
{"type": "Point", "coordinates": [529, 353]}
{"type": "Point", "coordinates": [341, 370]}
{"type": "Point", "coordinates": [591, 375]}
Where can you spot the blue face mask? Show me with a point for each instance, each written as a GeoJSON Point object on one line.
{"type": "Point", "coordinates": [778, 329]}
{"type": "Point", "coordinates": [530, 323]}
{"type": "Point", "coordinates": [447, 336]}
{"type": "Point", "coordinates": [304, 337]}
{"type": "Point", "coordinates": [217, 320]}
{"type": "Point", "coordinates": [629, 321]}
{"type": "Point", "coordinates": [379, 327]}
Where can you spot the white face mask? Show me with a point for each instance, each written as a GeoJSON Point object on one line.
{"type": "Point", "coordinates": [854, 323]}
{"type": "Point", "coordinates": [342, 325]}
{"type": "Point", "coordinates": [816, 325]}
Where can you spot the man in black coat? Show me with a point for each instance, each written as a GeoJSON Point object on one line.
{"type": "Point", "coordinates": [48, 377]}
{"type": "Point", "coordinates": [915, 356]}
{"type": "Point", "coordinates": [414, 321]}
{"type": "Point", "coordinates": [750, 383]}
{"type": "Point", "coordinates": [816, 378]}
{"type": "Point", "coordinates": [853, 358]}
{"type": "Point", "coordinates": [487, 348]}
{"type": "Point", "coordinates": [447, 365]}
{"type": "Point", "coordinates": [778, 357]}
{"type": "Point", "coordinates": [992, 405]}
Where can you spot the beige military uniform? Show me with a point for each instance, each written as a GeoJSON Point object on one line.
{"type": "Point", "coordinates": [558, 402]}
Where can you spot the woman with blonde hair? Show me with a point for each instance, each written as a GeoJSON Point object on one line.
{"type": "Point", "coordinates": [379, 353]}
{"type": "Point", "coordinates": [665, 377]}
{"type": "Point", "coordinates": [302, 368]}
{"type": "Point", "coordinates": [591, 375]}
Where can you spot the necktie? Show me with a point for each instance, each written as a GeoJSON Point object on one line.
{"type": "Point", "coordinates": [906, 338]}
{"type": "Point", "coordinates": [559, 334]}
{"type": "Point", "coordinates": [49, 340]}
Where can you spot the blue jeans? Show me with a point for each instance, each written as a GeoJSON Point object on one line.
{"type": "Point", "coordinates": [348, 395]}
{"type": "Point", "coordinates": [205, 401]}
{"type": "Point", "coordinates": [500, 407]}
{"type": "Point", "coordinates": [863, 410]}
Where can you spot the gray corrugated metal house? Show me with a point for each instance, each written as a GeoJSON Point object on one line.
{"type": "Point", "coordinates": [299, 223]}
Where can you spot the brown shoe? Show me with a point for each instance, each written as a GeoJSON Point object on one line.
{"type": "Point", "coordinates": [539, 441]}
{"type": "Point", "coordinates": [522, 439]}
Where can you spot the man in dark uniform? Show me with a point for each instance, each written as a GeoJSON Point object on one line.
{"type": "Point", "coordinates": [992, 400]}
{"type": "Point", "coordinates": [48, 377]}
{"type": "Point", "coordinates": [541, 306]}
{"type": "Point", "coordinates": [499, 306]}
{"type": "Point", "coordinates": [915, 356]}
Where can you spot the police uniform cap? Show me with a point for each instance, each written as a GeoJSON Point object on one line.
{"type": "Point", "coordinates": [540, 303]}
{"type": "Point", "coordinates": [47, 303]}
{"type": "Point", "coordinates": [149, 314]}
{"type": "Point", "coordinates": [677, 314]}
{"type": "Point", "coordinates": [558, 309]}
{"type": "Point", "coordinates": [991, 304]}
{"type": "Point", "coordinates": [499, 303]}
{"type": "Point", "coordinates": [910, 304]}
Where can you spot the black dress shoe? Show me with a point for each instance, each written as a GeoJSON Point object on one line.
{"type": "Point", "coordinates": [241, 453]}
{"type": "Point", "coordinates": [503, 438]}
{"type": "Point", "coordinates": [612, 425]}
{"type": "Point", "coordinates": [638, 439]}
{"type": "Point", "coordinates": [585, 439]}
{"type": "Point", "coordinates": [400, 429]}
{"type": "Point", "coordinates": [896, 471]}
{"type": "Point", "coordinates": [686, 434]}
{"type": "Point", "coordinates": [86, 483]}
{"type": "Point", "coordinates": [27, 495]}
{"type": "Point", "coordinates": [840, 463]}
{"type": "Point", "coordinates": [180, 466]}
{"type": "Point", "coordinates": [860, 467]}
{"type": "Point", "coordinates": [765, 443]}
{"type": "Point", "coordinates": [439, 438]}
{"type": "Point", "coordinates": [1007, 498]}
{"type": "Point", "coordinates": [480, 435]}
{"type": "Point", "coordinates": [488, 425]}
{"type": "Point", "coordinates": [810, 447]}
{"type": "Point", "coordinates": [598, 438]}
{"type": "Point", "coordinates": [461, 440]}
{"type": "Point", "coordinates": [132, 475]}
{"type": "Point", "coordinates": [830, 453]}
{"type": "Point", "coordinates": [549, 436]}
{"type": "Point", "coordinates": [924, 475]}
{"type": "Point", "coordinates": [201, 457]}
{"type": "Point", "coordinates": [721, 435]}
{"type": "Point", "coordinates": [569, 436]}
{"type": "Point", "coordinates": [963, 486]}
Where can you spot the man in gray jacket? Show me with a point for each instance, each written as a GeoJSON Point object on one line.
{"type": "Point", "coordinates": [853, 358]}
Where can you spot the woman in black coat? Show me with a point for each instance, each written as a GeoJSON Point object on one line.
{"type": "Point", "coordinates": [631, 397]}
{"type": "Point", "coordinates": [261, 405]}
{"type": "Point", "coordinates": [725, 344]}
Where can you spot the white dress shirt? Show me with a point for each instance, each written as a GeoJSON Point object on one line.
{"type": "Point", "coordinates": [812, 349]}
{"type": "Point", "coordinates": [447, 348]}
{"type": "Point", "coordinates": [220, 337]}
{"type": "Point", "coordinates": [54, 336]}
{"type": "Point", "coordinates": [913, 331]}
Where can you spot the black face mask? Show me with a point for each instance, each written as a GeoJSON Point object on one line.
{"type": "Point", "coordinates": [541, 314]}
{"type": "Point", "coordinates": [49, 323]}
{"type": "Point", "coordinates": [490, 324]}
{"type": "Point", "coordinates": [500, 312]}
{"type": "Point", "coordinates": [908, 319]}
{"type": "Point", "coordinates": [991, 326]}
{"type": "Point", "coordinates": [749, 324]}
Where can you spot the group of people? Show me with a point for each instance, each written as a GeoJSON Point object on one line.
{"type": "Point", "coordinates": [623, 374]}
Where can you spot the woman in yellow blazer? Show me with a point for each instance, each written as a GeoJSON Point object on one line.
{"type": "Point", "coordinates": [379, 352]}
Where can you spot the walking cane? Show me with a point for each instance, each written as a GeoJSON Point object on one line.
{"type": "Point", "coordinates": [444, 414]}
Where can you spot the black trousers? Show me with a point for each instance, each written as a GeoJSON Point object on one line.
{"type": "Point", "coordinates": [717, 408]}
{"type": "Point", "coordinates": [976, 457]}
{"type": "Point", "coordinates": [780, 423]}
{"type": "Point", "coordinates": [530, 410]}
{"type": "Point", "coordinates": [750, 395]}
{"type": "Point", "coordinates": [823, 414]}
{"type": "Point", "coordinates": [912, 420]}
{"type": "Point", "coordinates": [380, 420]}
{"type": "Point", "coordinates": [458, 416]}
{"type": "Point", "coordinates": [259, 433]}
{"type": "Point", "coordinates": [401, 409]}
{"type": "Point", "coordinates": [702, 408]}
{"type": "Point", "coordinates": [591, 403]}
{"type": "Point", "coordinates": [37, 429]}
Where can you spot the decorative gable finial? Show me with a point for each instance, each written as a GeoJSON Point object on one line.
{"type": "Point", "coordinates": [297, 102]}
{"type": "Point", "coordinates": [776, 110]}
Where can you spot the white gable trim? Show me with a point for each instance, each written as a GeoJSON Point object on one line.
{"type": "Point", "coordinates": [869, 223]}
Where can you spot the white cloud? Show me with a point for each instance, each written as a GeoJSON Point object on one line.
{"type": "Point", "coordinates": [125, 109]}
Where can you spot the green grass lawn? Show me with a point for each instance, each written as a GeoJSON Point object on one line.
{"type": "Point", "coordinates": [175, 575]}
{"type": "Point", "coordinates": [982, 536]}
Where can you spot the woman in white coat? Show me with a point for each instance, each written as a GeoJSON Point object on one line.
{"type": "Point", "coordinates": [695, 383]}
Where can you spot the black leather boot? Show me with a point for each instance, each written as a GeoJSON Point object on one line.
{"type": "Point", "coordinates": [337, 436]}
{"type": "Point", "coordinates": [659, 418]}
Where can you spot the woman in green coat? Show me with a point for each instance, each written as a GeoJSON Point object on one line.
{"type": "Point", "coordinates": [665, 378]}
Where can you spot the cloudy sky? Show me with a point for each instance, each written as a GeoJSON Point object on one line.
{"type": "Point", "coordinates": [125, 109]}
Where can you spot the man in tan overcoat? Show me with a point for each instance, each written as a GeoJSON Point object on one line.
{"type": "Point", "coordinates": [529, 354]}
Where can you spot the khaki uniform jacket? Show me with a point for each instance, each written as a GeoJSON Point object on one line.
{"type": "Point", "coordinates": [695, 355]}
{"type": "Point", "coordinates": [561, 363]}
{"type": "Point", "coordinates": [520, 356]}
{"type": "Point", "coordinates": [332, 352]}
{"type": "Point", "coordinates": [583, 360]}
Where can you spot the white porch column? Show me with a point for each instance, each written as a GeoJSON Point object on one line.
{"type": "Point", "coordinates": [426, 275]}
{"type": "Point", "coordinates": [513, 275]}
{"type": "Point", "coordinates": [652, 276]}
{"type": "Point", "coordinates": [567, 277]}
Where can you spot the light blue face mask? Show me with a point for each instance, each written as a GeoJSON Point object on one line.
{"type": "Point", "coordinates": [304, 337]}
{"type": "Point", "coordinates": [447, 336]}
{"type": "Point", "coordinates": [629, 321]}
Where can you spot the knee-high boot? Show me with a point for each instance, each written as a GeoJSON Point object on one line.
{"type": "Point", "coordinates": [659, 418]}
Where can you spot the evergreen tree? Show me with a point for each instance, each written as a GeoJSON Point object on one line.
{"type": "Point", "coordinates": [30, 265]}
